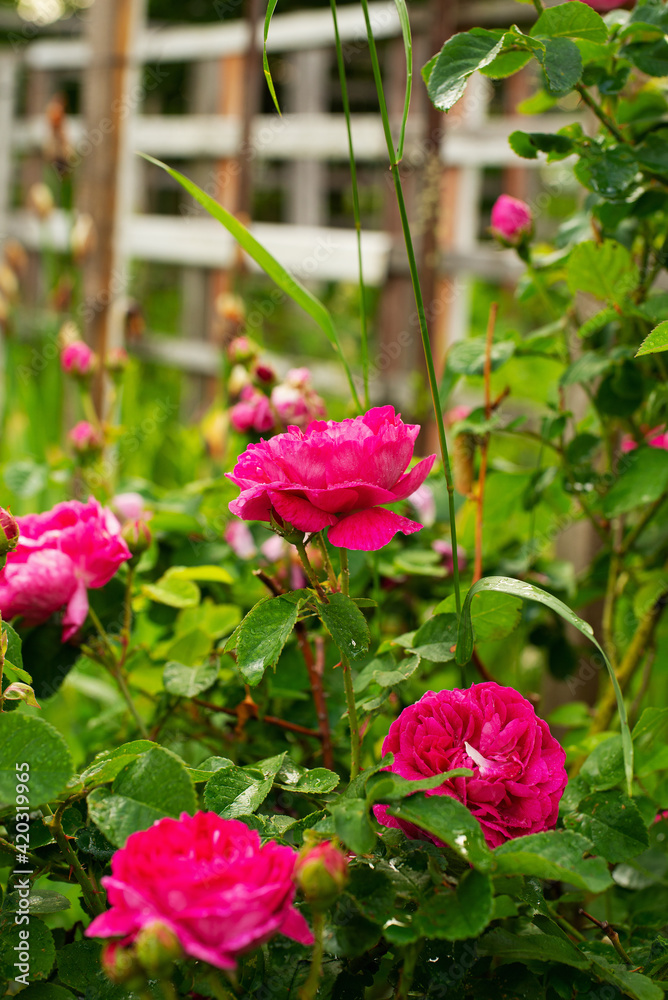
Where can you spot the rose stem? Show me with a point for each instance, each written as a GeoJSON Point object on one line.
{"type": "Point", "coordinates": [127, 615]}
{"type": "Point", "coordinates": [419, 300]}
{"type": "Point", "coordinates": [612, 935]}
{"type": "Point", "coordinates": [315, 667]}
{"type": "Point", "coordinates": [355, 741]}
{"type": "Point", "coordinates": [484, 447]}
{"type": "Point", "coordinates": [271, 720]}
{"type": "Point", "coordinates": [331, 575]}
{"type": "Point", "coordinates": [310, 572]}
{"type": "Point", "coordinates": [117, 673]}
{"type": "Point", "coordinates": [92, 897]}
{"type": "Point", "coordinates": [310, 988]}
{"type": "Point", "coordinates": [407, 972]}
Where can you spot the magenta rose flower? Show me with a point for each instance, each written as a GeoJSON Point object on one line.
{"type": "Point", "coordinates": [252, 412]}
{"type": "Point", "coordinates": [85, 438]}
{"type": "Point", "coordinates": [78, 359]}
{"type": "Point", "coordinates": [209, 881]}
{"type": "Point", "coordinates": [656, 438]}
{"type": "Point", "coordinates": [519, 773]}
{"type": "Point", "coordinates": [512, 221]}
{"type": "Point", "coordinates": [334, 475]}
{"type": "Point", "coordinates": [61, 554]}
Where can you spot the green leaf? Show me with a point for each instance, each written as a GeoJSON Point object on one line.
{"type": "Point", "coordinates": [605, 270]}
{"type": "Point", "coordinates": [46, 991]}
{"type": "Point", "coordinates": [42, 951]}
{"type": "Point", "coordinates": [495, 616]}
{"type": "Point", "coordinates": [604, 767]}
{"type": "Point", "coordinates": [460, 57]}
{"type": "Point", "coordinates": [271, 7]}
{"type": "Point", "coordinates": [650, 741]}
{"type": "Point", "coordinates": [613, 823]}
{"type": "Point", "coordinates": [39, 901]}
{"type": "Point", "coordinates": [450, 821]}
{"type": "Point", "coordinates": [79, 964]}
{"type": "Point", "coordinates": [109, 763]}
{"type": "Point", "coordinates": [295, 778]}
{"type": "Point", "coordinates": [467, 357]}
{"type": "Point", "coordinates": [562, 64]}
{"type": "Point", "coordinates": [437, 638]}
{"type": "Point", "coordinates": [536, 947]}
{"type": "Point", "coordinates": [262, 635]}
{"type": "Point", "coordinates": [404, 20]}
{"type": "Point", "coordinates": [353, 826]}
{"type": "Point", "coordinates": [238, 791]}
{"type": "Point", "coordinates": [526, 591]}
{"type": "Point", "coordinates": [389, 787]}
{"type": "Point", "coordinates": [346, 624]}
{"type": "Point", "coordinates": [459, 915]}
{"type": "Point", "coordinates": [571, 20]}
{"type": "Point", "coordinates": [383, 671]}
{"type": "Point", "coordinates": [13, 654]}
{"type": "Point", "coordinates": [609, 171]}
{"type": "Point", "coordinates": [203, 574]}
{"type": "Point", "coordinates": [529, 144]}
{"type": "Point", "coordinates": [507, 63]}
{"type": "Point", "coordinates": [285, 281]}
{"type": "Point", "coordinates": [588, 366]}
{"type": "Point", "coordinates": [188, 682]}
{"type": "Point", "coordinates": [26, 479]}
{"type": "Point", "coordinates": [152, 786]}
{"type": "Point", "coordinates": [643, 481]}
{"type": "Point", "coordinates": [632, 984]}
{"type": "Point", "coordinates": [174, 592]}
{"type": "Point", "coordinates": [556, 855]}
{"type": "Point", "coordinates": [31, 745]}
{"type": "Point", "coordinates": [656, 341]}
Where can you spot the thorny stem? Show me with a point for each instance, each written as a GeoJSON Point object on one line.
{"type": "Point", "coordinates": [353, 721]}
{"type": "Point", "coordinates": [8, 848]}
{"type": "Point", "coordinates": [91, 895]}
{"type": "Point", "coordinates": [484, 447]}
{"type": "Point", "coordinates": [356, 201]}
{"type": "Point", "coordinates": [611, 934]}
{"type": "Point", "coordinates": [310, 988]}
{"type": "Point", "coordinates": [331, 575]}
{"type": "Point", "coordinates": [271, 720]}
{"type": "Point", "coordinates": [310, 572]}
{"type": "Point", "coordinates": [419, 301]}
{"type": "Point", "coordinates": [116, 671]}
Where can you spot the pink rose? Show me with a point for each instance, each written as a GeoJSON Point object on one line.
{"type": "Point", "coordinates": [321, 873]}
{"type": "Point", "coordinates": [209, 881]}
{"type": "Point", "coordinates": [519, 774]}
{"type": "Point", "coordinates": [61, 555]}
{"type": "Point", "coordinates": [252, 412]}
{"type": "Point", "coordinates": [424, 504]}
{"type": "Point", "coordinates": [656, 438]}
{"type": "Point", "coordinates": [336, 475]}
{"type": "Point", "coordinates": [130, 507]}
{"type": "Point", "coordinates": [295, 400]}
{"type": "Point", "coordinates": [602, 6]}
{"type": "Point", "coordinates": [239, 539]}
{"type": "Point", "coordinates": [512, 220]}
{"type": "Point", "coordinates": [9, 532]}
{"type": "Point", "coordinates": [78, 359]}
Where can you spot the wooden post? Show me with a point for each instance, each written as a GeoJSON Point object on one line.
{"type": "Point", "coordinates": [7, 95]}
{"type": "Point", "coordinates": [308, 94]}
{"type": "Point", "coordinates": [109, 102]}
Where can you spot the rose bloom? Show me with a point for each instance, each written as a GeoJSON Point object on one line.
{"type": "Point", "coordinates": [208, 880]}
{"type": "Point", "coordinates": [295, 400]}
{"type": "Point", "coordinates": [657, 438]}
{"type": "Point", "coordinates": [60, 555]}
{"type": "Point", "coordinates": [78, 359]}
{"type": "Point", "coordinates": [252, 412]}
{"type": "Point", "coordinates": [519, 773]}
{"type": "Point", "coordinates": [85, 438]}
{"type": "Point", "coordinates": [335, 475]}
{"type": "Point", "coordinates": [512, 220]}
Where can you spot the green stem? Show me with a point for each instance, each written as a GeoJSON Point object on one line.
{"type": "Point", "coordinates": [565, 924]}
{"type": "Point", "coordinates": [602, 116]}
{"type": "Point", "coordinates": [127, 615]}
{"type": "Point", "coordinates": [419, 301]}
{"type": "Point", "coordinates": [633, 536]}
{"type": "Point", "coordinates": [116, 670]}
{"type": "Point", "coordinates": [8, 848]}
{"type": "Point", "coordinates": [310, 572]}
{"type": "Point", "coordinates": [310, 988]}
{"type": "Point", "coordinates": [356, 202]}
{"type": "Point", "coordinates": [353, 721]}
{"type": "Point", "coordinates": [331, 575]}
{"type": "Point", "coordinates": [539, 6]}
{"type": "Point", "coordinates": [90, 894]}
{"type": "Point", "coordinates": [407, 972]}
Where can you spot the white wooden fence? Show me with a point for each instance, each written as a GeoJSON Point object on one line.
{"type": "Point", "coordinates": [471, 142]}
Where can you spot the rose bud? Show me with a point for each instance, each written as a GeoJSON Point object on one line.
{"type": "Point", "coordinates": [85, 439]}
{"type": "Point", "coordinates": [242, 350]}
{"type": "Point", "coordinates": [157, 948]}
{"type": "Point", "coordinates": [116, 360]}
{"type": "Point", "coordinates": [512, 221]}
{"type": "Point", "coordinates": [83, 237]}
{"type": "Point", "coordinates": [120, 965]}
{"type": "Point", "coordinates": [40, 200]}
{"type": "Point", "coordinates": [321, 873]}
{"type": "Point", "coordinates": [264, 374]}
{"type": "Point", "coordinates": [9, 532]}
{"type": "Point", "coordinates": [137, 536]}
{"type": "Point", "coordinates": [231, 308]}
{"type": "Point", "coordinates": [78, 359]}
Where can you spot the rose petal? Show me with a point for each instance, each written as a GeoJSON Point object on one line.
{"type": "Point", "coordinates": [368, 530]}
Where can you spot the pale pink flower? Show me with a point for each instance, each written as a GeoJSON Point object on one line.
{"type": "Point", "coordinates": [336, 475]}
{"type": "Point", "coordinates": [239, 539]}
{"type": "Point", "coordinates": [131, 507]}
{"type": "Point", "coordinates": [424, 504]}
{"type": "Point", "coordinates": [518, 767]}
{"type": "Point", "coordinates": [252, 412]}
{"type": "Point", "coordinates": [512, 221]}
{"type": "Point", "coordinates": [61, 554]}
{"type": "Point", "coordinates": [295, 400]}
{"type": "Point", "coordinates": [209, 881]}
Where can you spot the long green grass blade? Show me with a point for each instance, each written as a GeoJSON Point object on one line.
{"type": "Point", "coordinates": [271, 7]}
{"type": "Point", "coordinates": [402, 11]}
{"type": "Point", "coordinates": [506, 585]}
{"type": "Point", "coordinates": [301, 295]}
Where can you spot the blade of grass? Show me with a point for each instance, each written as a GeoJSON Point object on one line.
{"type": "Point", "coordinates": [402, 11]}
{"type": "Point", "coordinates": [271, 7]}
{"type": "Point", "coordinates": [301, 295]}
{"type": "Point", "coordinates": [419, 301]}
{"type": "Point", "coordinates": [356, 203]}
